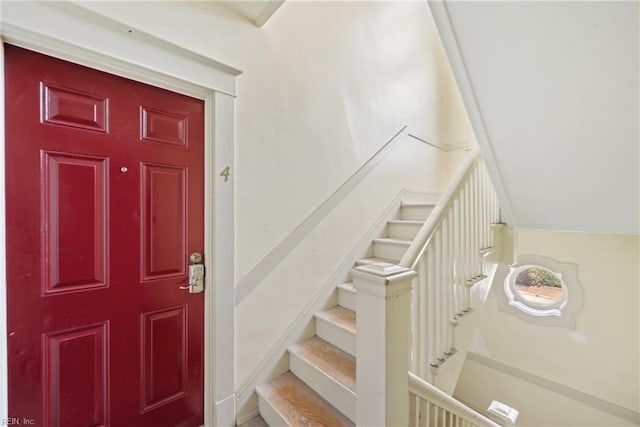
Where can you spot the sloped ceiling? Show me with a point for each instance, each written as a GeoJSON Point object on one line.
{"type": "Point", "coordinates": [552, 92]}
{"type": "Point", "coordinates": [256, 11]}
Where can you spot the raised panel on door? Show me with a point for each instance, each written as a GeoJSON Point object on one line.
{"type": "Point", "coordinates": [104, 184]}
{"type": "Point", "coordinates": [76, 372]}
{"type": "Point", "coordinates": [74, 191]}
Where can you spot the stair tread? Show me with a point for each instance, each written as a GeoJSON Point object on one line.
{"type": "Point", "coordinates": [417, 204]}
{"type": "Point", "coordinates": [299, 404]}
{"type": "Point", "coordinates": [392, 241]}
{"type": "Point", "coordinates": [348, 286]}
{"type": "Point", "coordinates": [405, 221]}
{"type": "Point", "coordinates": [329, 359]}
{"type": "Point", "coordinates": [367, 261]}
{"type": "Point", "coordinates": [340, 316]}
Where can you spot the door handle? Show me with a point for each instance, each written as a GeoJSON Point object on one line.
{"type": "Point", "coordinates": [186, 287]}
{"type": "Point", "coordinates": [196, 275]}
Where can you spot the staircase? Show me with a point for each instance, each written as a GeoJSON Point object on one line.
{"type": "Point", "coordinates": [413, 288]}
{"type": "Point", "coordinates": [320, 388]}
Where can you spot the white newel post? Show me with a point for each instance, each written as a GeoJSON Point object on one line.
{"type": "Point", "coordinates": [383, 306]}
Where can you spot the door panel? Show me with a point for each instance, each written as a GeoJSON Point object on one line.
{"type": "Point", "coordinates": [105, 204]}
{"type": "Point", "coordinates": [74, 222]}
{"type": "Point", "coordinates": [75, 376]}
{"type": "Point", "coordinates": [163, 221]}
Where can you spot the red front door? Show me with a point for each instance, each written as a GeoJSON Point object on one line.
{"type": "Point", "coordinates": [104, 185]}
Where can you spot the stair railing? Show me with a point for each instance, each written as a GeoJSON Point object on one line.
{"type": "Point", "coordinates": [447, 257]}
{"type": "Point", "coordinates": [429, 406]}
{"type": "Point", "coordinates": [400, 330]}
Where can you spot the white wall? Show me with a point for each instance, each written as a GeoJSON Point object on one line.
{"type": "Point", "coordinates": [557, 88]}
{"type": "Point", "coordinates": [324, 86]}
{"type": "Point", "coordinates": [599, 358]}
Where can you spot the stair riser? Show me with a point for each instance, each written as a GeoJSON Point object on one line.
{"type": "Point", "coordinates": [416, 213]}
{"type": "Point", "coordinates": [347, 299]}
{"type": "Point", "coordinates": [404, 231]}
{"type": "Point", "coordinates": [389, 250]}
{"type": "Point", "coordinates": [343, 399]}
{"type": "Point", "coordinates": [343, 339]}
{"type": "Point", "coordinates": [270, 415]}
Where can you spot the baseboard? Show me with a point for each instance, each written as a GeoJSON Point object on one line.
{"type": "Point", "coordinates": [295, 331]}
{"type": "Point", "coordinates": [248, 416]}
{"type": "Point", "coordinates": [564, 390]}
{"type": "Point", "coordinates": [225, 412]}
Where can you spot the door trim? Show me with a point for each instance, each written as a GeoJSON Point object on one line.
{"type": "Point", "coordinates": [219, 100]}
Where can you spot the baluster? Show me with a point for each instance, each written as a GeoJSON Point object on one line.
{"type": "Point", "coordinates": [476, 225]}
{"type": "Point", "coordinates": [450, 285]}
{"type": "Point", "coordinates": [480, 207]}
{"type": "Point", "coordinates": [423, 421]}
{"type": "Point", "coordinates": [456, 256]}
{"type": "Point", "coordinates": [468, 243]}
{"type": "Point", "coordinates": [423, 343]}
{"type": "Point", "coordinates": [444, 287]}
{"type": "Point", "coordinates": [427, 414]}
{"type": "Point", "coordinates": [485, 216]}
{"type": "Point", "coordinates": [413, 407]}
{"type": "Point", "coordinates": [487, 207]}
{"type": "Point", "coordinates": [467, 231]}
{"type": "Point", "coordinates": [438, 294]}
{"type": "Point", "coordinates": [431, 311]}
{"type": "Point", "coordinates": [415, 322]}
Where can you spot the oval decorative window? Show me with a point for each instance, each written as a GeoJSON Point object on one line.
{"type": "Point", "coordinates": [544, 288]}
{"type": "Point", "coordinates": [539, 290]}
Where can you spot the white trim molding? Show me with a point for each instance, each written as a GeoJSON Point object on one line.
{"type": "Point", "coordinates": [4, 355]}
{"type": "Point", "coordinates": [117, 49]}
{"type": "Point", "coordinates": [270, 8]}
{"type": "Point", "coordinates": [569, 392]}
{"type": "Point", "coordinates": [253, 278]}
{"type": "Point", "coordinates": [435, 142]}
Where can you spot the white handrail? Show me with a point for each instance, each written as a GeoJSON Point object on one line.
{"type": "Point", "coordinates": [431, 406]}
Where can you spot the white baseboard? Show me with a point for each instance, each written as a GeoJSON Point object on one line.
{"type": "Point", "coordinates": [225, 412]}
{"type": "Point", "coordinates": [555, 387]}
{"type": "Point", "coordinates": [248, 416]}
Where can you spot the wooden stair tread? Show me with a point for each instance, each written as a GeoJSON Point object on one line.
{"type": "Point", "coordinates": [329, 359]}
{"type": "Point", "coordinates": [340, 316]}
{"type": "Point", "coordinates": [300, 405]}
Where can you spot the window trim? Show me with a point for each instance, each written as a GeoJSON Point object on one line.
{"type": "Point", "coordinates": [561, 313]}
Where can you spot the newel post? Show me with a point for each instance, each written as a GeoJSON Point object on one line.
{"type": "Point", "coordinates": [383, 307]}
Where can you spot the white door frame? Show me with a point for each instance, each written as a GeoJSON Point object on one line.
{"type": "Point", "coordinates": [198, 77]}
